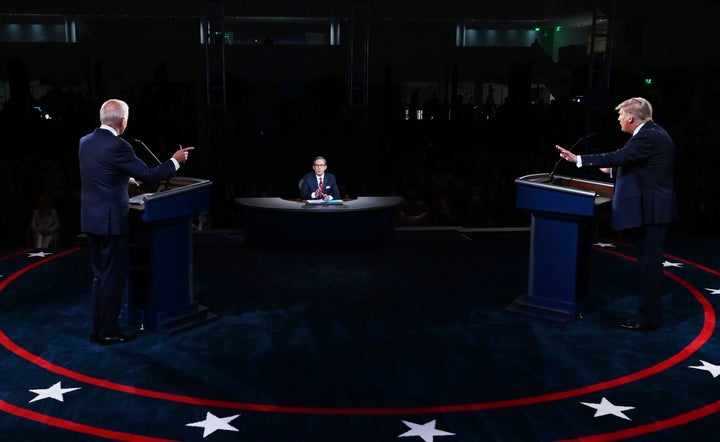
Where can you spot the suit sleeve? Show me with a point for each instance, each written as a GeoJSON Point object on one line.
{"type": "Point", "coordinates": [305, 189]}
{"type": "Point", "coordinates": [335, 191]}
{"type": "Point", "coordinates": [135, 167]}
{"type": "Point", "coordinates": [638, 148]}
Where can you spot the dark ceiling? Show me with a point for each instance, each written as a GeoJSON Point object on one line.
{"type": "Point", "coordinates": [425, 9]}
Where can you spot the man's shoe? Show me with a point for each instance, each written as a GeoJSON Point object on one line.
{"type": "Point", "coordinates": [112, 340]}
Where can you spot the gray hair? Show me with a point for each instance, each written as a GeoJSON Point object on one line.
{"type": "Point", "coordinates": [113, 110]}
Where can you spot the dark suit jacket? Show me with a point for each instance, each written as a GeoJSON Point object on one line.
{"type": "Point", "coordinates": [106, 164]}
{"type": "Point", "coordinates": [309, 184]}
{"type": "Point", "coordinates": [644, 183]}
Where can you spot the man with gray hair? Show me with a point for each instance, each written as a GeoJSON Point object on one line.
{"type": "Point", "coordinates": [107, 164]}
{"type": "Point", "coordinates": [644, 203]}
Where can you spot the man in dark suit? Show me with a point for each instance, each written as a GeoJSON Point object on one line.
{"type": "Point", "coordinates": [107, 165]}
{"type": "Point", "coordinates": [319, 184]}
{"type": "Point", "coordinates": [644, 203]}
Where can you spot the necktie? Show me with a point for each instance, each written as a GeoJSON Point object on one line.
{"type": "Point", "coordinates": [320, 187]}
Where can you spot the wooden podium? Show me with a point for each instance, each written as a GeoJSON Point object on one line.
{"type": "Point", "coordinates": [562, 229]}
{"type": "Point", "coordinates": [160, 292]}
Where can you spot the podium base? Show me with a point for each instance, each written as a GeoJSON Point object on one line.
{"type": "Point", "coordinates": [196, 317]}
{"type": "Point", "coordinates": [172, 321]}
{"type": "Point", "coordinates": [537, 307]}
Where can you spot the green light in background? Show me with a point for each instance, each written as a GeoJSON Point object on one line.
{"type": "Point", "coordinates": [648, 80]}
{"type": "Point", "coordinates": [557, 28]}
{"type": "Point", "coordinates": [537, 29]}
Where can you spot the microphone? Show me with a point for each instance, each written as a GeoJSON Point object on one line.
{"type": "Point", "coordinates": [166, 183]}
{"type": "Point", "coordinates": [552, 173]}
{"type": "Point", "coordinates": [146, 148]}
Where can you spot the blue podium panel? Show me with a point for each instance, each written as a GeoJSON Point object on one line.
{"type": "Point", "coordinates": [188, 201]}
{"type": "Point", "coordinates": [544, 199]}
{"type": "Point", "coordinates": [161, 254]}
{"type": "Point", "coordinates": [562, 226]}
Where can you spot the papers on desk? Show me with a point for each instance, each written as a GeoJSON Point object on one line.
{"type": "Point", "coordinates": [324, 201]}
{"type": "Point", "coordinates": [140, 199]}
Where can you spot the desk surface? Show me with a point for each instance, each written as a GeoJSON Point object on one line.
{"type": "Point", "coordinates": [362, 203]}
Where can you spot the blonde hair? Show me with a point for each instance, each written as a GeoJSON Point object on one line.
{"type": "Point", "coordinates": [636, 106]}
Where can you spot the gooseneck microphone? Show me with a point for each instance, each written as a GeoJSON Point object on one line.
{"type": "Point", "coordinates": [166, 182]}
{"type": "Point", "coordinates": [146, 148]}
{"type": "Point", "coordinates": [551, 177]}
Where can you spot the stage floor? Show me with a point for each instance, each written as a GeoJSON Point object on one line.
{"type": "Point", "coordinates": [409, 340]}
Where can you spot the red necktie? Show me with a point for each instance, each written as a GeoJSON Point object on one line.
{"type": "Point", "coordinates": [320, 187]}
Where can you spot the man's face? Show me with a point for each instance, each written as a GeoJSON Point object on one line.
{"type": "Point", "coordinates": [319, 167]}
{"type": "Point", "coordinates": [626, 121]}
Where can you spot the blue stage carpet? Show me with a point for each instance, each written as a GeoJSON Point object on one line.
{"type": "Point", "coordinates": [411, 341]}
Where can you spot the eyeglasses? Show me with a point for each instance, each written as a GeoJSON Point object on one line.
{"type": "Point", "coordinates": [319, 165]}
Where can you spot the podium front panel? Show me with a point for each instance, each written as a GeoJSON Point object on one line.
{"type": "Point", "coordinates": [161, 247]}
{"type": "Point", "coordinates": [562, 213]}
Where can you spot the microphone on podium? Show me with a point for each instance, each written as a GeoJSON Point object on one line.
{"type": "Point", "coordinates": [165, 183]}
{"type": "Point", "coordinates": [551, 177]}
{"type": "Point", "coordinates": [146, 148]}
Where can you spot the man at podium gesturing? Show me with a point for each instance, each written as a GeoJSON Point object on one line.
{"type": "Point", "coordinates": [319, 184]}
{"type": "Point", "coordinates": [644, 203]}
{"type": "Point", "coordinates": [107, 163]}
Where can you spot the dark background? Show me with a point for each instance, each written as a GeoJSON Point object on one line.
{"type": "Point", "coordinates": [288, 102]}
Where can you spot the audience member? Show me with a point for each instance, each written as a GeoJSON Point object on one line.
{"type": "Point", "coordinates": [413, 211]}
{"type": "Point", "coordinates": [44, 223]}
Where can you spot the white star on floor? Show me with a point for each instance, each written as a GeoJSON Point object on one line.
{"type": "Point", "coordinates": [55, 392]}
{"type": "Point", "coordinates": [605, 407]}
{"type": "Point", "coordinates": [40, 254]}
{"type": "Point", "coordinates": [604, 244]}
{"type": "Point", "coordinates": [426, 431]}
{"type": "Point", "coordinates": [713, 291]}
{"type": "Point", "coordinates": [213, 423]}
{"type": "Point", "coordinates": [672, 264]}
{"type": "Point", "coordinates": [714, 370]}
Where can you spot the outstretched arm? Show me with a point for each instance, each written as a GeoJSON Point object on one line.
{"type": "Point", "coordinates": [566, 154]}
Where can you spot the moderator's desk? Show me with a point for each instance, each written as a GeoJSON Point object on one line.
{"type": "Point", "coordinates": [364, 220]}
